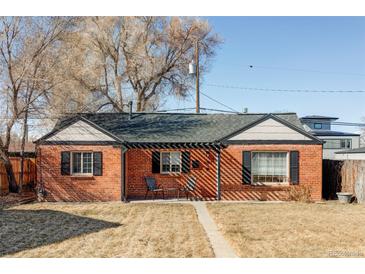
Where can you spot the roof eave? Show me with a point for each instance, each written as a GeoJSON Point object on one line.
{"type": "Point", "coordinates": [73, 120]}
{"type": "Point", "coordinates": [276, 118]}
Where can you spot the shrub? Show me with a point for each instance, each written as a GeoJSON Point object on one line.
{"type": "Point", "coordinates": [299, 194]}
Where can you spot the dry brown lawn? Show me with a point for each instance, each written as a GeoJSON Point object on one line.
{"type": "Point", "coordinates": [292, 229]}
{"type": "Point", "coordinates": [102, 230]}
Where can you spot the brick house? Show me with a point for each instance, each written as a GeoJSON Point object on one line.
{"type": "Point", "coordinates": [106, 156]}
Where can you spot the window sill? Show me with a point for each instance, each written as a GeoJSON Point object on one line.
{"type": "Point", "coordinates": [270, 184]}
{"type": "Point", "coordinates": [80, 176]}
{"type": "Point", "coordinates": [173, 174]}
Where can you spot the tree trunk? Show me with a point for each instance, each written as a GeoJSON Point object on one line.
{"type": "Point", "coordinates": [4, 157]}
{"type": "Point", "coordinates": [140, 103]}
{"type": "Point", "coordinates": [24, 137]}
{"type": "Point", "coordinates": [21, 177]}
{"type": "Point", "coordinates": [139, 106]}
{"type": "Point", "coordinates": [10, 175]}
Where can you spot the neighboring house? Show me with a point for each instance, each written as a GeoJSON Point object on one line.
{"type": "Point", "coordinates": [105, 156]}
{"type": "Point", "coordinates": [320, 126]}
{"type": "Point", "coordinates": [351, 154]}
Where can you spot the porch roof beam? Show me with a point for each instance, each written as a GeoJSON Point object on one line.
{"type": "Point", "coordinates": [172, 145]}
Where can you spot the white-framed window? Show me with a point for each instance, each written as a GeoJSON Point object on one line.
{"type": "Point", "coordinates": [170, 162]}
{"type": "Point", "coordinates": [81, 163]}
{"type": "Point", "coordinates": [337, 144]}
{"type": "Point", "coordinates": [270, 167]}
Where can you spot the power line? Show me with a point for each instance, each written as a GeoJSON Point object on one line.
{"type": "Point", "coordinates": [218, 102]}
{"type": "Point", "coordinates": [252, 67]}
{"type": "Point", "coordinates": [220, 110]}
{"type": "Point", "coordinates": [285, 90]}
{"type": "Point", "coordinates": [202, 108]}
{"type": "Point", "coordinates": [305, 70]}
{"type": "Point", "coordinates": [175, 109]}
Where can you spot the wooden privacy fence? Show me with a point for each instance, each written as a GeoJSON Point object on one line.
{"type": "Point", "coordinates": [29, 173]}
{"type": "Point", "coordinates": [353, 178]}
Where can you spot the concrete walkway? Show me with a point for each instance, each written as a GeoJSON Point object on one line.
{"type": "Point", "coordinates": [220, 246]}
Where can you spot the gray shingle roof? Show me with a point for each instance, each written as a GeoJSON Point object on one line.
{"type": "Point", "coordinates": [332, 133]}
{"type": "Point", "coordinates": [315, 117]}
{"type": "Point", "coordinates": [176, 127]}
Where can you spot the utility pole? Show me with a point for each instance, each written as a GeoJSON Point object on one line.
{"type": "Point", "coordinates": [197, 96]}
{"type": "Point", "coordinates": [194, 69]}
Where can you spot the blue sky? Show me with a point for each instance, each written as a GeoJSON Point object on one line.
{"type": "Point", "coordinates": [316, 53]}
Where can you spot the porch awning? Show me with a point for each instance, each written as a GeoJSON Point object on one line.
{"type": "Point", "coordinates": [174, 145]}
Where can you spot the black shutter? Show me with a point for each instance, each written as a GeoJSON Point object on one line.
{"type": "Point", "coordinates": [155, 162]}
{"type": "Point", "coordinates": [65, 163]}
{"type": "Point", "coordinates": [185, 161]}
{"type": "Point", "coordinates": [97, 163]}
{"type": "Point", "coordinates": [246, 167]}
{"type": "Point", "coordinates": [294, 167]}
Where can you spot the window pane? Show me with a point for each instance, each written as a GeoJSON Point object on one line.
{"type": "Point", "coordinates": [343, 143]}
{"type": "Point", "coordinates": [165, 158]}
{"type": "Point", "coordinates": [175, 158]}
{"type": "Point", "coordinates": [165, 168]}
{"type": "Point", "coordinates": [165, 161]}
{"type": "Point", "coordinates": [255, 163]}
{"type": "Point", "coordinates": [175, 161]}
{"type": "Point", "coordinates": [87, 162]}
{"type": "Point", "coordinates": [76, 162]}
{"type": "Point", "coordinates": [317, 125]}
{"type": "Point", "coordinates": [175, 168]}
{"type": "Point", "coordinates": [348, 145]}
{"type": "Point", "coordinates": [269, 167]}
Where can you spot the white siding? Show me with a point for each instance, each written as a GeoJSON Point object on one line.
{"type": "Point", "coordinates": [270, 130]}
{"type": "Point", "coordinates": [329, 154]}
{"type": "Point", "coordinates": [350, 156]}
{"type": "Point", "coordinates": [80, 131]}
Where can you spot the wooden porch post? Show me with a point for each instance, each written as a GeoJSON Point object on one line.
{"type": "Point", "coordinates": [218, 177]}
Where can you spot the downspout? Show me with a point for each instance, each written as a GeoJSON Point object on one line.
{"type": "Point", "coordinates": [218, 175]}
{"type": "Point", "coordinates": [123, 169]}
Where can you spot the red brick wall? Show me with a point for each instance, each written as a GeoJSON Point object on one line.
{"type": "Point", "coordinates": [72, 188]}
{"type": "Point", "coordinates": [310, 173]}
{"type": "Point", "coordinates": [139, 165]}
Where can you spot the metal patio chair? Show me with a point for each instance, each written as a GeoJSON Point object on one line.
{"type": "Point", "coordinates": [153, 187]}
{"type": "Point", "coordinates": [189, 188]}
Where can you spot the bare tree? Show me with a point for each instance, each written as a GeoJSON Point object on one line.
{"type": "Point", "coordinates": [141, 57]}
{"type": "Point", "coordinates": [10, 31]}
{"type": "Point", "coordinates": [27, 47]}
{"type": "Point", "coordinates": [51, 66]}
